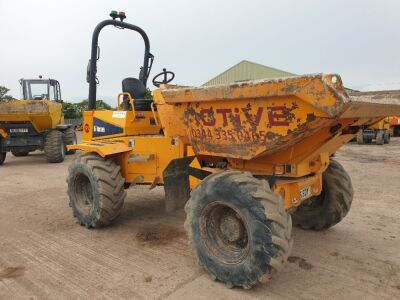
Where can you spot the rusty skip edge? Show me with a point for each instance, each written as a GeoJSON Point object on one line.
{"type": "Point", "coordinates": [314, 89]}
{"type": "Point", "coordinates": [270, 88]}
{"type": "Point", "coordinates": [25, 107]}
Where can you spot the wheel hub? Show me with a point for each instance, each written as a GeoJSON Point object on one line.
{"type": "Point", "coordinates": [231, 228]}
{"type": "Point", "coordinates": [224, 232]}
{"type": "Point", "coordinates": [83, 193]}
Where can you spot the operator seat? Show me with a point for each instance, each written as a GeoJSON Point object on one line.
{"type": "Point", "coordinates": [137, 90]}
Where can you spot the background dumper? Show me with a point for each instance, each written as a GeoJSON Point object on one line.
{"type": "Point", "coordinates": [35, 122]}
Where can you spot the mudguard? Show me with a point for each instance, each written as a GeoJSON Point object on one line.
{"type": "Point", "coordinates": [102, 148]}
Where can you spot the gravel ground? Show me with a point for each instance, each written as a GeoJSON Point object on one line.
{"type": "Point", "coordinates": [45, 254]}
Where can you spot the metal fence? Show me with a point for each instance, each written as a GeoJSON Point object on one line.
{"type": "Point", "coordinates": [74, 122]}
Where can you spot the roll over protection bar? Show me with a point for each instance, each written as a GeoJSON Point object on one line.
{"type": "Point", "coordinates": [144, 74]}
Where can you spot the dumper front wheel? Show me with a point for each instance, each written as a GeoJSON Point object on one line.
{"type": "Point", "coordinates": [238, 228]}
{"type": "Point", "coordinates": [2, 157]}
{"type": "Point", "coordinates": [332, 205]}
{"type": "Point", "coordinates": [95, 189]}
{"type": "Point", "coordinates": [54, 147]}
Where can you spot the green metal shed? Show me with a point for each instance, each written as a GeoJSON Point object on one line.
{"type": "Point", "coordinates": [247, 70]}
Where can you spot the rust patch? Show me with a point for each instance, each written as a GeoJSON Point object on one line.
{"type": "Point", "coordinates": [235, 120]}
{"type": "Point", "coordinates": [288, 112]}
{"type": "Point", "coordinates": [290, 89]}
{"type": "Point", "coordinates": [311, 117]}
{"type": "Point", "coordinates": [272, 135]}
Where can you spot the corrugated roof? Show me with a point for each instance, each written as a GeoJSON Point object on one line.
{"type": "Point", "coordinates": [247, 70]}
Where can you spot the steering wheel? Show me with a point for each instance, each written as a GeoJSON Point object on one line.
{"type": "Point", "coordinates": [157, 83]}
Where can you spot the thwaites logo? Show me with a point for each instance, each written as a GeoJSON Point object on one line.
{"type": "Point", "coordinates": [239, 123]}
{"type": "Point", "coordinates": [102, 128]}
{"type": "Point", "coordinates": [99, 129]}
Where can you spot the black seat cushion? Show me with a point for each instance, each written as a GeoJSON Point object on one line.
{"type": "Point", "coordinates": [137, 90]}
{"type": "Point", "coordinates": [134, 87]}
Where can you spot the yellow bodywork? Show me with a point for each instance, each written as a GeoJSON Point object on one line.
{"type": "Point", "coordinates": [43, 114]}
{"type": "Point", "coordinates": [142, 158]}
{"type": "Point", "coordinates": [381, 125]}
{"type": "Point", "coordinates": [141, 124]}
{"type": "Point", "coordinates": [285, 128]}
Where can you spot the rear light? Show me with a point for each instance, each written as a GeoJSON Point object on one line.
{"type": "Point", "coordinates": [121, 15]}
{"type": "Point", "coordinates": [279, 170]}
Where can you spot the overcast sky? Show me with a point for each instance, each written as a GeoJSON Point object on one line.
{"type": "Point", "coordinates": [359, 40]}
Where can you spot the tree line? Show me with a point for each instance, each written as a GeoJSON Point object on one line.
{"type": "Point", "coordinates": [3, 94]}
{"type": "Point", "coordinates": [75, 110]}
{"type": "Point", "coordinates": [70, 110]}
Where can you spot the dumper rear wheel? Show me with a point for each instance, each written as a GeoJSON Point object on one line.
{"type": "Point", "coordinates": [360, 137]}
{"type": "Point", "coordinates": [2, 157]}
{"type": "Point", "coordinates": [238, 228]}
{"type": "Point", "coordinates": [332, 205]}
{"type": "Point", "coordinates": [20, 153]}
{"type": "Point", "coordinates": [380, 137]}
{"type": "Point", "coordinates": [96, 190]}
{"type": "Point", "coordinates": [70, 139]}
{"type": "Point", "coordinates": [386, 137]}
{"type": "Point", "coordinates": [54, 147]}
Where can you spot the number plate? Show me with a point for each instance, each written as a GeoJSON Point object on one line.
{"type": "Point", "coordinates": [305, 192]}
{"type": "Point", "coordinates": [119, 114]}
{"type": "Point", "coordinates": [18, 130]}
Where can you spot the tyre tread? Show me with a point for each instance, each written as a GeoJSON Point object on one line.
{"type": "Point", "coordinates": [271, 206]}
{"type": "Point", "coordinates": [110, 185]}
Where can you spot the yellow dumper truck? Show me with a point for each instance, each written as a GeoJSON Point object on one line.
{"type": "Point", "coordinates": [245, 160]}
{"type": "Point", "coordinates": [378, 132]}
{"type": "Point", "coordinates": [35, 122]}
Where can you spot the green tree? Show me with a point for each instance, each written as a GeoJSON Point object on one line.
{"type": "Point", "coordinates": [148, 95]}
{"type": "Point", "coordinates": [75, 110]}
{"type": "Point", "coordinates": [3, 94]}
{"type": "Point", "coordinates": [70, 111]}
{"type": "Point", "coordinates": [101, 105]}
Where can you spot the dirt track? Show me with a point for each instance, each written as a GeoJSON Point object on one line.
{"type": "Point", "coordinates": [45, 254]}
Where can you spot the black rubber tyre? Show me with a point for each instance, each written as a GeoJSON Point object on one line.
{"type": "Point", "coordinates": [2, 157]}
{"type": "Point", "coordinates": [332, 205]}
{"type": "Point", "coordinates": [360, 137]}
{"type": "Point", "coordinates": [386, 137]}
{"type": "Point", "coordinates": [20, 153]}
{"type": "Point", "coordinates": [70, 139]}
{"type": "Point", "coordinates": [238, 228]}
{"type": "Point", "coordinates": [95, 189]}
{"type": "Point", "coordinates": [54, 147]}
{"type": "Point", "coordinates": [380, 137]}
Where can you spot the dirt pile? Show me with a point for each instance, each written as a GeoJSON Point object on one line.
{"type": "Point", "coordinates": [158, 234]}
